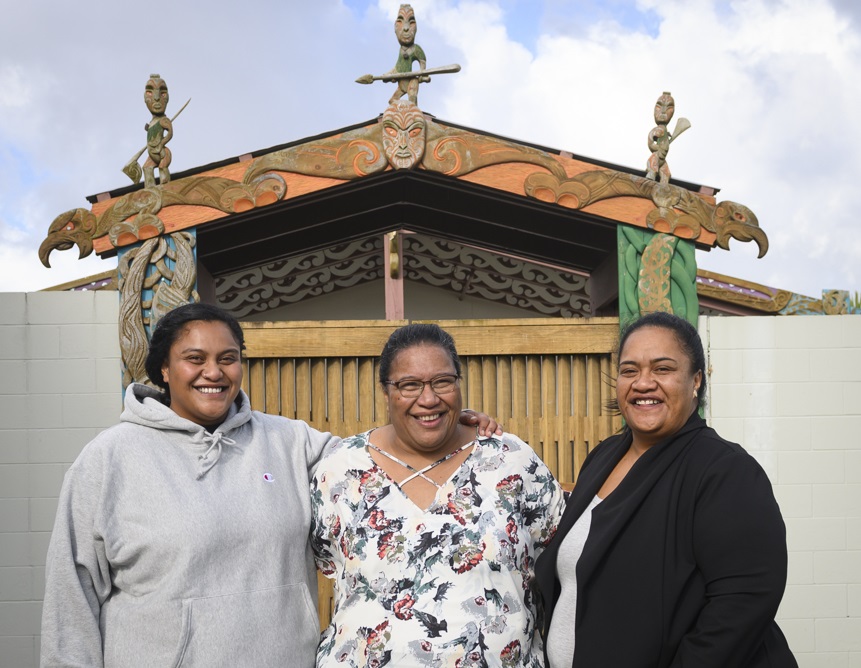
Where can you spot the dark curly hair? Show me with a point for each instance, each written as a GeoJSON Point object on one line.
{"type": "Point", "coordinates": [412, 335]}
{"type": "Point", "coordinates": [170, 327]}
{"type": "Point", "coordinates": [687, 337]}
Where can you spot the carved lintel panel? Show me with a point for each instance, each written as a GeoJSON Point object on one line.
{"type": "Point", "coordinates": [657, 272]}
{"type": "Point", "coordinates": [464, 270]}
{"type": "Point", "coordinates": [479, 273]}
{"type": "Point", "coordinates": [403, 139]}
{"type": "Point", "coordinates": [311, 275]}
{"type": "Point", "coordinates": [154, 277]}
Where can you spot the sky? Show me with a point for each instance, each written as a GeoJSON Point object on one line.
{"type": "Point", "coordinates": [772, 89]}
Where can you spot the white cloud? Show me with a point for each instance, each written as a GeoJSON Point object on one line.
{"type": "Point", "coordinates": [770, 86]}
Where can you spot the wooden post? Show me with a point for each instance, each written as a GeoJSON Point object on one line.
{"type": "Point", "coordinates": [393, 262]}
{"type": "Point", "coordinates": [657, 272]}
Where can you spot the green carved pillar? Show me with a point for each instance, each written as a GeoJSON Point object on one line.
{"type": "Point", "coordinates": [657, 272]}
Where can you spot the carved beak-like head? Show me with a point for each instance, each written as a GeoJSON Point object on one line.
{"type": "Point", "coordinates": [71, 228]}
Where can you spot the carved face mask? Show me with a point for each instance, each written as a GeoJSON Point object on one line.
{"type": "Point", "coordinates": [665, 107]}
{"type": "Point", "coordinates": [405, 25]}
{"type": "Point", "coordinates": [155, 94]}
{"type": "Point", "coordinates": [403, 134]}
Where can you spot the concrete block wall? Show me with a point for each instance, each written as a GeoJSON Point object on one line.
{"type": "Point", "coordinates": [60, 382]}
{"type": "Point", "coordinates": [789, 390]}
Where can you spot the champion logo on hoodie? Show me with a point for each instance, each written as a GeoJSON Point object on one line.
{"type": "Point", "coordinates": [268, 477]}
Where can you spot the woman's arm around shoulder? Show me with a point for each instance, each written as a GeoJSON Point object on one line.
{"type": "Point", "coordinates": [299, 434]}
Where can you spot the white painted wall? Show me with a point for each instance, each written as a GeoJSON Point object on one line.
{"type": "Point", "coordinates": [60, 384]}
{"type": "Point", "coordinates": [787, 388]}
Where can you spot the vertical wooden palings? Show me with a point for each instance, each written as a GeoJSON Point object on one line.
{"type": "Point", "coordinates": [475, 392]}
{"type": "Point", "coordinates": [245, 367]}
{"type": "Point", "coordinates": [565, 419]}
{"type": "Point", "coordinates": [325, 600]}
{"type": "Point", "coordinates": [350, 396]}
{"type": "Point", "coordinates": [581, 433]}
{"type": "Point", "coordinates": [303, 389]}
{"type": "Point", "coordinates": [519, 402]}
{"type": "Point", "coordinates": [555, 402]}
{"type": "Point", "coordinates": [366, 393]}
{"type": "Point", "coordinates": [381, 409]}
{"type": "Point", "coordinates": [319, 418]}
{"type": "Point", "coordinates": [288, 387]}
{"type": "Point", "coordinates": [549, 411]}
{"type": "Point", "coordinates": [272, 382]}
{"type": "Point", "coordinates": [533, 407]}
{"type": "Point", "coordinates": [593, 407]}
{"type": "Point", "coordinates": [334, 398]}
{"type": "Point", "coordinates": [256, 384]}
{"type": "Point", "coordinates": [489, 385]}
{"type": "Point", "coordinates": [607, 394]}
{"type": "Point", "coordinates": [503, 392]}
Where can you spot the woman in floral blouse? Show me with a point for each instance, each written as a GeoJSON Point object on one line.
{"type": "Point", "coordinates": [430, 532]}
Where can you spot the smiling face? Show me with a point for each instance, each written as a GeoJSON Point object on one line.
{"type": "Point", "coordinates": [203, 372]}
{"type": "Point", "coordinates": [426, 424]}
{"type": "Point", "coordinates": [656, 385]}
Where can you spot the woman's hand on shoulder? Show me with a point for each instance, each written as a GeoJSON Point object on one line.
{"type": "Point", "coordinates": [486, 425]}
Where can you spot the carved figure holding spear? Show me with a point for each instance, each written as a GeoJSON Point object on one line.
{"type": "Point", "coordinates": [405, 30]}
{"type": "Point", "coordinates": [660, 138]}
{"type": "Point", "coordinates": [402, 73]}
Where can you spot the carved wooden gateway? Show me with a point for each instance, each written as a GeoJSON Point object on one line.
{"type": "Point", "coordinates": [405, 197]}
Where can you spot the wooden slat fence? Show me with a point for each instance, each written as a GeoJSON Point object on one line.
{"type": "Point", "coordinates": [546, 380]}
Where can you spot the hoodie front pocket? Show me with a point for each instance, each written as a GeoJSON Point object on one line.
{"type": "Point", "coordinates": [262, 628]}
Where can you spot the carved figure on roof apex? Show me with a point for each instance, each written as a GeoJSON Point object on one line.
{"type": "Point", "coordinates": [660, 138]}
{"type": "Point", "coordinates": [410, 52]}
{"type": "Point", "coordinates": [159, 132]}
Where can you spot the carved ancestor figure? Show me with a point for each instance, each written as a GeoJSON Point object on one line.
{"type": "Point", "coordinates": [660, 138]}
{"type": "Point", "coordinates": [158, 132]}
{"type": "Point", "coordinates": [405, 29]}
{"type": "Point", "coordinates": [402, 73]}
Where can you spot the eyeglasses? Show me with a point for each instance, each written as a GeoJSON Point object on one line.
{"type": "Point", "coordinates": [413, 388]}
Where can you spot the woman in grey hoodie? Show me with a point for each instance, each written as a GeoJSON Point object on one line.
{"type": "Point", "coordinates": [181, 536]}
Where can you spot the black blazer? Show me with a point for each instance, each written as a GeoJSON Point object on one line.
{"type": "Point", "coordinates": [685, 563]}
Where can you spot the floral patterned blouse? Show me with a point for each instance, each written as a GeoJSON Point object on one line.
{"type": "Point", "coordinates": [446, 587]}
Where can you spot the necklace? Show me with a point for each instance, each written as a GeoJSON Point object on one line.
{"type": "Point", "coordinates": [420, 473]}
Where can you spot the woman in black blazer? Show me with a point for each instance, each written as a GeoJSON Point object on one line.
{"type": "Point", "coordinates": [672, 550]}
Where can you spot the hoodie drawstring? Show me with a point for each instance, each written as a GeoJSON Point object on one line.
{"type": "Point", "coordinates": [216, 440]}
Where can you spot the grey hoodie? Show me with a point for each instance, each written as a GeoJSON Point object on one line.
{"type": "Point", "coordinates": [176, 547]}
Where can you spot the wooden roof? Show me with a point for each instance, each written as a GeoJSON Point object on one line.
{"type": "Point", "coordinates": [470, 187]}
